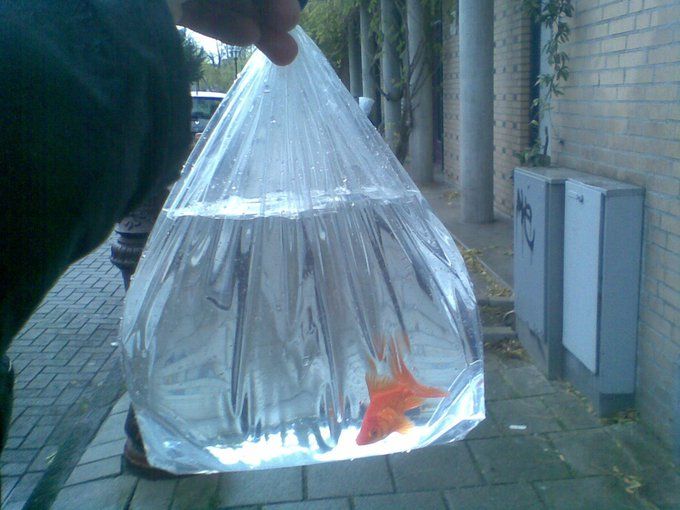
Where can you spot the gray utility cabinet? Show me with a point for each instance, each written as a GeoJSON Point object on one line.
{"type": "Point", "coordinates": [538, 263]}
{"type": "Point", "coordinates": [602, 249]}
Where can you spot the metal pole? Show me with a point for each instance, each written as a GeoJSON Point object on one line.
{"type": "Point", "coordinates": [421, 138]}
{"type": "Point", "coordinates": [476, 109]}
{"type": "Point", "coordinates": [354, 57]}
{"type": "Point", "coordinates": [367, 54]}
{"type": "Point", "coordinates": [390, 72]}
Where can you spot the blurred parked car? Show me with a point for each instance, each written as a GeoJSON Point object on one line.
{"type": "Point", "coordinates": [203, 106]}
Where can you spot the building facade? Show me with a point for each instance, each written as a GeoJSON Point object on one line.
{"type": "Point", "coordinates": [619, 118]}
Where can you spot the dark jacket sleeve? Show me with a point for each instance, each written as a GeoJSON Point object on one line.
{"type": "Point", "coordinates": [94, 115]}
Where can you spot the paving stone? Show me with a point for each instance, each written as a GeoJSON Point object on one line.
{"type": "Point", "coordinates": [517, 459]}
{"type": "Point", "coordinates": [46, 411]}
{"type": "Point", "coordinates": [153, 494]}
{"type": "Point", "coordinates": [260, 487]}
{"type": "Point", "coordinates": [39, 435]}
{"type": "Point", "coordinates": [13, 469]}
{"type": "Point", "coordinates": [111, 430]}
{"type": "Point", "coordinates": [639, 444]}
{"type": "Point", "coordinates": [122, 405]}
{"type": "Point", "coordinates": [22, 490]}
{"type": "Point", "coordinates": [487, 428]}
{"type": "Point", "coordinates": [662, 488]}
{"type": "Point", "coordinates": [7, 483]}
{"type": "Point", "coordinates": [13, 442]}
{"type": "Point", "coordinates": [348, 478]}
{"type": "Point", "coordinates": [319, 504]}
{"type": "Point", "coordinates": [13, 505]}
{"type": "Point", "coordinates": [571, 412]}
{"type": "Point", "coordinates": [593, 452]}
{"type": "Point", "coordinates": [69, 396]}
{"type": "Point", "coordinates": [528, 381]}
{"type": "Point", "coordinates": [598, 492]}
{"type": "Point", "coordinates": [23, 425]}
{"type": "Point", "coordinates": [22, 455]}
{"type": "Point", "coordinates": [16, 412]}
{"type": "Point", "coordinates": [403, 501]}
{"type": "Point", "coordinates": [491, 361]}
{"type": "Point", "coordinates": [530, 413]}
{"type": "Point", "coordinates": [496, 387]}
{"type": "Point", "coordinates": [514, 361]}
{"type": "Point", "coordinates": [95, 470]}
{"type": "Point", "coordinates": [103, 451]}
{"type": "Point", "coordinates": [44, 458]}
{"type": "Point", "coordinates": [33, 401]}
{"type": "Point", "coordinates": [55, 389]}
{"type": "Point", "coordinates": [196, 493]}
{"type": "Point", "coordinates": [660, 485]}
{"type": "Point", "coordinates": [516, 496]}
{"type": "Point", "coordinates": [436, 467]}
{"type": "Point", "coordinates": [50, 420]}
{"type": "Point", "coordinates": [106, 494]}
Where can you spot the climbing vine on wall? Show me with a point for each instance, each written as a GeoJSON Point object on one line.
{"type": "Point", "coordinates": [553, 15]}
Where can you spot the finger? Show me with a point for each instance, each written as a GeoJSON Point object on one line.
{"type": "Point", "coordinates": [282, 15]}
{"type": "Point", "coordinates": [279, 46]}
{"type": "Point", "coordinates": [227, 25]}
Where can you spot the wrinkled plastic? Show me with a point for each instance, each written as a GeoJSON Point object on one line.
{"type": "Point", "coordinates": [294, 265]}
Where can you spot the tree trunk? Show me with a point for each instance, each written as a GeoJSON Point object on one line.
{"type": "Point", "coordinates": [367, 57]}
{"type": "Point", "coordinates": [391, 75]}
{"type": "Point", "coordinates": [420, 141]}
{"type": "Point", "coordinates": [354, 57]}
{"type": "Point", "coordinates": [475, 22]}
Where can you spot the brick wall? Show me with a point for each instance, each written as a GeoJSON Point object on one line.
{"type": "Point", "coordinates": [620, 118]}
{"type": "Point", "coordinates": [512, 93]}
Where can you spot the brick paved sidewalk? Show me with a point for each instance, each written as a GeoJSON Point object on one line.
{"type": "Point", "coordinates": [540, 448]}
{"type": "Point", "coordinates": [62, 355]}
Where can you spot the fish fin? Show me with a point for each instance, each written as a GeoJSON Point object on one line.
{"type": "Point", "coordinates": [406, 341]}
{"type": "Point", "coordinates": [423, 391]}
{"type": "Point", "coordinates": [379, 343]}
{"type": "Point", "coordinates": [398, 368]}
{"type": "Point", "coordinates": [404, 376]}
{"type": "Point", "coordinates": [376, 383]}
{"type": "Point", "coordinates": [412, 402]}
{"type": "Point", "coordinates": [404, 425]}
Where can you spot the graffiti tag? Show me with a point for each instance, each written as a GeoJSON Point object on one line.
{"type": "Point", "coordinates": [524, 216]}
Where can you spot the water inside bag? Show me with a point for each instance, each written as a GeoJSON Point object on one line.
{"type": "Point", "coordinates": [266, 297]}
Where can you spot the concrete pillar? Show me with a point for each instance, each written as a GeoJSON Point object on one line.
{"type": "Point", "coordinates": [391, 72]}
{"type": "Point", "coordinates": [420, 142]}
{"type": "Point", "coordinates": [367, 55]}
{"type": "Point", "coordinates": [354, 54]}
{"type": "Point", "coordinates": [476, 109]}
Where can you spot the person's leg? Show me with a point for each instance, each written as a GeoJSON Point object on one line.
{"type": "Point", "coordinates": [6, 397]}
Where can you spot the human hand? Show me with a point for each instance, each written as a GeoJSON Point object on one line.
{"type": "Point", "coordinates": [264, 23]}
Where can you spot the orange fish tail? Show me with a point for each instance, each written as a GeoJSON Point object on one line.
{"type": "Point", "coordinates": [404, 376]}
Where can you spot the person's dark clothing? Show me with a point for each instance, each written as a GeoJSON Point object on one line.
{"type": "Point", "coordinates": [94, 115]}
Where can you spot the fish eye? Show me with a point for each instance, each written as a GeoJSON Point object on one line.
{"type": "Point", "coordinates": [373, 433]}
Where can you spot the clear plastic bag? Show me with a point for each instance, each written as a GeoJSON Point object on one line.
{"type": "Point", "coordinates": [298, 301]}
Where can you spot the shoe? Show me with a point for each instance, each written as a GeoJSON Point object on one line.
{"type": "Point", "coordinates": [134, 454]}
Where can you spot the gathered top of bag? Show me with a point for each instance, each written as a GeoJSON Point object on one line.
{"type": "Point", "coordinates": [284, 155]}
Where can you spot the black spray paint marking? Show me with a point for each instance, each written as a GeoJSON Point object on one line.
{"type": "Point", "coordinates": [524, 215]}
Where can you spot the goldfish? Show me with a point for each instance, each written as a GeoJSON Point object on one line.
{"type": "Point", "coordinates": [390, 398]}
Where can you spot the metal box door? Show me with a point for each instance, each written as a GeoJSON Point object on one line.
{"type": "Point", "coordinates": [582, 271]}
{"type": "Point", "coordinates": [529, 251]}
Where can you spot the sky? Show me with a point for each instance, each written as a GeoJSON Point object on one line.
{"type": "Point", "coordinates": [207, 43]}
